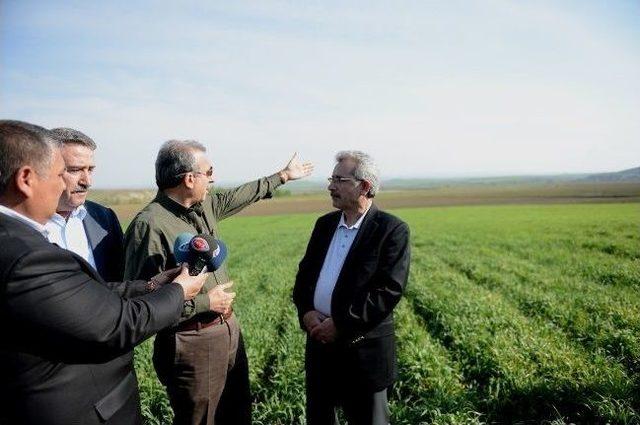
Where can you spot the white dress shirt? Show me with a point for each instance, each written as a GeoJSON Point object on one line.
{"type": "Point", "coordinates": [70, 234]}
{"type": "Point", "coordinates": [26, 220]}
{"type": "Point", "coordinates": [336, 254]}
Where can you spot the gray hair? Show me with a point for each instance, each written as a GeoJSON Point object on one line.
{"type": "Point", "coordinates": [23, 144]}
{"type": "Point", "coordinates": [366, 169]}
{"type": "Point", "coordinates": [70, 136]}
{"type": "Point", "coordinates": [176, 158]}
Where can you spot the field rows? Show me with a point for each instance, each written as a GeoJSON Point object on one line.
{"type": "Point", "coordinates": [513, 314]}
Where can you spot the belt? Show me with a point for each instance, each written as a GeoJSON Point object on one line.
{"type": "Point", "coordinates": [197, 323]}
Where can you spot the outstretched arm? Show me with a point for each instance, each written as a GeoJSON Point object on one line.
{"type": "Point", "coordinates": [231, 201]}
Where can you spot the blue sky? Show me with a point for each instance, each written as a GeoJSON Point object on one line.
{"type": "Point", "coordinates": [429, 88]}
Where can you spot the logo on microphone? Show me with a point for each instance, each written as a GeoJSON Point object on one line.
{"type": "Point", "coordinates": [199, 244]}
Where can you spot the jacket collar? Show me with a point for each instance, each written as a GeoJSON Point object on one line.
{"type": "Point", "coordinates": [25, 220]}
{"type": "Point", "coordinates": [95, 232]}
{"type": "Point", "coordinates": [176, 208]}
{"type": "Point", "coordinates": [367, 226]}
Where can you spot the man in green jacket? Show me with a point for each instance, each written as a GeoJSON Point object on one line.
{"type": "Point", "coordinates": [202, 361]}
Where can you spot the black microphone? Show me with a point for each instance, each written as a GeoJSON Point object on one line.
{"type": "Point", "coordinates": [199, 251]}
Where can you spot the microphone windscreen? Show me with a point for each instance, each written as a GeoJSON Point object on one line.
{"type": "Point", "coordinates": [181, 250]}
{"type": "Point", "coordinates": [216, 250]}
{"type": "Point", "coordinates": [219, 256]}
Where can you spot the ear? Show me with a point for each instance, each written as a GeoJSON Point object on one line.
{"type": "Point", "coordinates": [25, 180]}
{"type": "Point", "coordinates": [189, 180]}
{"type": "Point", "coordinates": [365, 187]}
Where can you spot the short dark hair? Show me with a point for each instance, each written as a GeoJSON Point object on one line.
{"type": "Point", "coordinates": [23, 144]}
{"type": "Point", "coordinates": [71, 136]}
{"type": "Point", "coordinates": [176, 158]}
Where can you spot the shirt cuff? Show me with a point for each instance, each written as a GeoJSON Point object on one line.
{"type": "Point", "coordinates": [201, 302]}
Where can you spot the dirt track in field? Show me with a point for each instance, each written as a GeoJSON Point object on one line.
{"type": "Point", "coordinates": [444, 196]}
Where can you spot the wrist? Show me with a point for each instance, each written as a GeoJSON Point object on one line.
{"type": "Point", "coordinates": [284, 177]}
{"type": "Point", "coordinates": [152, 285]}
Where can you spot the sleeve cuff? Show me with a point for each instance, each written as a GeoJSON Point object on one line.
{"type": "Point", "coordinates": [274, 181]}
{"type": "Point", "coordinates": [201, 302]}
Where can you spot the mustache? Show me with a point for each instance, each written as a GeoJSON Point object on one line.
{"type": "Point", "coordinates": [82, 188]}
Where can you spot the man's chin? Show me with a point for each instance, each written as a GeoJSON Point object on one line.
{"type": "Point", "coordinates": [77, 199]}
{"type": "Point", "coordinates": [71, 204]}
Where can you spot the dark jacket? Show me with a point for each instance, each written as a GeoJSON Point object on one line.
{"type": "Point", "coordinates": [106, 241]}
{"type": "Point", "coordinates": [62, 326]}
{"type": "Point", "coordinates": [368, 288]}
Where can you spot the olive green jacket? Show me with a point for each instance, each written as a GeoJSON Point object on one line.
{"type": "Point", "coordinates": [150, 237]}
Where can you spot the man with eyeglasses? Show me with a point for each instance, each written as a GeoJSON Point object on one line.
{"type": "Point", "coordinates": [202, 361]}
{"type": "Point", "coordinates": [350, 279]}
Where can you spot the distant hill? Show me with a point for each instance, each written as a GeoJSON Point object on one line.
{"type": "Point", "coordinates": [630, 175]}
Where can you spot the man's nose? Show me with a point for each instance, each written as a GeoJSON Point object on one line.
{"type": "Point", "coordinates": [86, 178]}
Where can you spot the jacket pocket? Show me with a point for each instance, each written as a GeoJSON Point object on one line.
{"type": "Point", "coordinates": [116, 398]}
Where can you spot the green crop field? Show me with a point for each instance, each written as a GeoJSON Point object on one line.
{"type": "Point", "coordinates": [526, 313]}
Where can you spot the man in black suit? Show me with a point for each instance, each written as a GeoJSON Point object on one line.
{"type": "Point", "coordinates": [350, 279]}
{"type": "Point", "coordinates": [61, 324]}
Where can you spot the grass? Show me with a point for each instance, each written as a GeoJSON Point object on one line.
{"type": "Point", "coordinates": [513, 314]}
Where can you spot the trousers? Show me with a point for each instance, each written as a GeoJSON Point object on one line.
{"type": "Point", "coordinates": [330, 385]}
{"type": "Point", "coordinates": [206, 374]}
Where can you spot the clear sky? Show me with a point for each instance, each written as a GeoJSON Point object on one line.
{"type": "Point", "coordinates": [429, 88]}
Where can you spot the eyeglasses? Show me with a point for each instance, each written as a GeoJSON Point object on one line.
{"type": "Point", "coordinates": [340, 179]}
{"type": "Point", "coordinates": [207, 173]}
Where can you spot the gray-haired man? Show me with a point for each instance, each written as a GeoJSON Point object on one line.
{"type": "Point", "coordinates": [87, 228]}
{"type": "Point", "coordinates": [349, 281]}
{"type": "Point", "coordinates": [202, 361]}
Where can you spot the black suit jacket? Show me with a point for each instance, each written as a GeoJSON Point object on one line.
{"type": "Point", "coordinates": [104, 234]}
{"type": "Point", "coordinates": [62, 326]}
{"type": "Point", "coordinates": [368, 288]}
{"type": "Point", "coordinates": [106, 241]}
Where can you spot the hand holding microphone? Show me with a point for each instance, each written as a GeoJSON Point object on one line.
{"type": "Point", "coordinates": [191, 285]}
